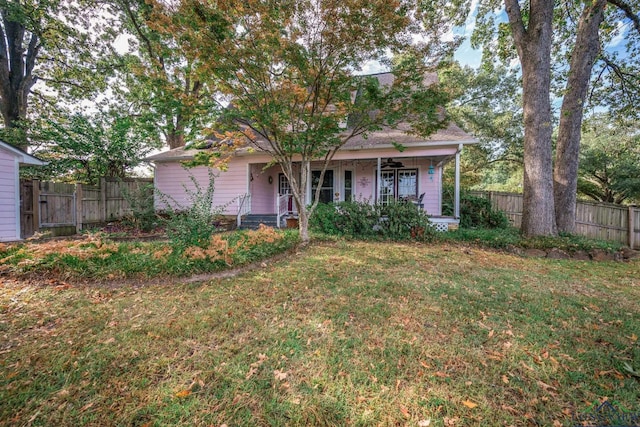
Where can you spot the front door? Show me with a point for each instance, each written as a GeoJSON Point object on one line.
{"type": "Point", "coordinates": [285, 188]}
{"type": "Point", "coordinates": [326, 189]}
{"type": "Point", "coordinates": [387, 186]}
{"type": "Point", "coordinates": [399, 184]}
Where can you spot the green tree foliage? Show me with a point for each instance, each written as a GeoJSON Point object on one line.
{"type": "Point", "coordinates": [288, 70]}
{"type": "Point", "coordinates": [486, 103]}
{"type": "Point", "coordinates": [51, 51]}
{"type": "Point", "coordinates": [84, 148]}
{"type": "Point", "coordinates": [160, 73]}
{"type": "Point", "coordinates": [610, 161]}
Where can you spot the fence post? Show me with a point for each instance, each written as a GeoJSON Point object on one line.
{"type": "Point", "coordinates": [632, 227]}
{"type": "Point", "coordinates": [103, 200]}
{"type": "Point", "coordinates": [79, 208]}
{"type": "Point", "coordinates": [36, 205]}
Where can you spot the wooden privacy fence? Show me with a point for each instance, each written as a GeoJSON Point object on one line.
{"type": "Point", "coordinates": [65, 209]}
{"type": "Point", "coordinates": [595, 220]}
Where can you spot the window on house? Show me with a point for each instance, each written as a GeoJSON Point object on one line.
{"type": "Point", "coordinates": [326, 188]}
{"type": "Point", "coordinates": [348, 186]}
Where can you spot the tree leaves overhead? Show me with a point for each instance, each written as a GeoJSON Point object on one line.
{"type": "Point", "coordinates": [160, 72]}
{"type": "Point", "coordinates": [53, 50]}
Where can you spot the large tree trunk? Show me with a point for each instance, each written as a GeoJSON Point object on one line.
{"type": "Point", "coordinates": [175, 140]}
{"type": "Point", "coordinates": [534, 49]}
{"type": "Point", "coordinates": [16, 79]}
{"type": "Point", "coordinates": [565, 173]}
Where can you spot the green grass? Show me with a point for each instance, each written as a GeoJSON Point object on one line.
{"type": "Point", "coordinates": [342, 333]}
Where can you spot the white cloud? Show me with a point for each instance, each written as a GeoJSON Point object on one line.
{"type": "Point", "coordinates": [620, 37]}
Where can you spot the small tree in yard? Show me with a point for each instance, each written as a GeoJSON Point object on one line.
{"type": "Point", "coordinates": [288, 70]}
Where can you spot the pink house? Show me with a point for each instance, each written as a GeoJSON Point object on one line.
{"type": "Point", "coordinates": [11, 158]}
{"type": "Point", "coordinates": [369, 169]}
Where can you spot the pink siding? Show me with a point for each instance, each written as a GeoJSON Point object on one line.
{"type": "Point", "coordinates": [263, 193]}
{"type": "Point", "coordinates": [246, 173]}
{"type": "Point", "coordinates": [171, 180]}
{"type": "Point", "coordinates": [9, 203]}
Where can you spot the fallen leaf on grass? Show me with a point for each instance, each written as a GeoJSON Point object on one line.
{"type": "Point", "coordinates": [546, 386]}
{"type": "Point", "coordinates": [505, 379]}
{"type": "Point", "coordinates": [405, 412]}
{"type": "Point", "coordinates": [424, 423]}
{"type": "Point", "coordinates": [252, 371]}
{"type": "Point", "coordinates": [281, 376]}
{"type": "Point", "coordinates": [629, 369]}
{"type": "Point", "coordinates": [469, 404]}
{"type": "Point", "coordinates": [87, 406]}
{"type": "Point", "coordinates": [183, 393]}
{"type": "Point", "coordinates": [450, 421]}
{"type": "Point", "coordinates": [261, 359]}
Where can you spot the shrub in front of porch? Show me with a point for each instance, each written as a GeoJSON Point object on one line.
{"type": "Point", "coordinates": [360, 219]}
{"type": "Point", "coordinates": [475, 211]}
{"type": "Point", "coordinates": [355, 219]}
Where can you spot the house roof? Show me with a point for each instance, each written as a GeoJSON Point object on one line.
{"type": "Point", "coordinates": [24, 158]}
{"type": "Point", "coordinates": [384, 138]}
{"type": "Point", "coordinates": [451, 135]}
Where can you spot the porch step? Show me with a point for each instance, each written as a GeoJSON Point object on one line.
{"type": "Point", "coordinates": [252, 221]}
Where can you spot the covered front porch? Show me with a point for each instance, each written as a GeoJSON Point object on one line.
{"type": "Point", "coordinates": [394, 176]}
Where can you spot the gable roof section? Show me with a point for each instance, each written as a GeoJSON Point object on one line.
{"type": "Point", "coordinates": [384, 138]}
{"type": "Point", "coordinates": [24, 158]}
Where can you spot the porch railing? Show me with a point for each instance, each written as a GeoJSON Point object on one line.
{"type": "Point", "coordinates": [282, 203]}
{"type": "Point", "coordinates": [244, 207]}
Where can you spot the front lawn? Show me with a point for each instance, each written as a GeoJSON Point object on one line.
{"type": "Point", "coordinates": [341, 333]}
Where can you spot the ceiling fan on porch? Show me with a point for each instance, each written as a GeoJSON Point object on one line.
{"type": "Point", "coordinates": [390, 163]}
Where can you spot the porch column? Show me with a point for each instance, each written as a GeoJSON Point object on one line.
{"type": "Point", "coordinates": [309, 188]}
{"type": "Point", "coordinates": [456, 202]}
{"type": "Point", "coordinates": [379, 177]}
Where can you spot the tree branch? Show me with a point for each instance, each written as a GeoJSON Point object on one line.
{"type": "Point", "coordinates": [628, 11]}
{"type": "Point", "coordinates": [518, 30]}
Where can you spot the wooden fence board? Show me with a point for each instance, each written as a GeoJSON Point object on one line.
{"type": "Point", "coordinates": [594, 220]}
{"type": "Point", "coordinates": [63, 208]}
{"type": "Point", "coordinates": [634, 215]}
{"type": "Point", "coordinates": [28, 214]}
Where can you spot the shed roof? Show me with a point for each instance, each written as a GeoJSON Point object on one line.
{"type": "Point", "coordinates": [24, 158]}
